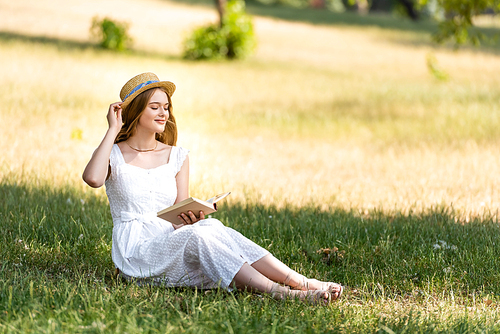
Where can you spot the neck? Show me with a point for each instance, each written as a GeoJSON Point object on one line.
{"type": "Point", "coordinates": [142, 142]}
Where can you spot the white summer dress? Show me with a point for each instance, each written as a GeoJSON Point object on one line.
{"type": "Point", "coordinates": [206, 254]}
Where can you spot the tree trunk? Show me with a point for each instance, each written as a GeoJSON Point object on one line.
{"type": "Point", "coordinates": [363, 6]}
{"type": "Point", "coordinates": [221, 8]}
{"type": "Point", "coordinates": [409, 5]}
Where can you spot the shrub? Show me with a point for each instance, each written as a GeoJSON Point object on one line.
{"type": "Point", "coordinates": [111, 34]}
{"type": "Point", "coordinates": [234, 39]}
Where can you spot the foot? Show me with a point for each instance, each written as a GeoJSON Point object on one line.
{"type": "Point", "coordinates": [335, 289]}
{"type": "Point", "coordinates": [299, 282]}
{"type": "Point", "coordinates": [313, 297]}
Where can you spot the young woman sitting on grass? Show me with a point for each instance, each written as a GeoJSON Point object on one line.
{"type": "Point", "coordinates": [145, 172]}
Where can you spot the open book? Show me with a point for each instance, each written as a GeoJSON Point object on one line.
{"type": "Point", "coordinates": [191, 204]}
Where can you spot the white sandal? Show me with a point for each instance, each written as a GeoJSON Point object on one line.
{"type": "Point", "coordinates": [312, 297]}
{"type": "Point", "coordinates": [329, 287]}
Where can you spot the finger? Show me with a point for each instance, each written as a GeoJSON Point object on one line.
{"type": "Point", "coordinates": [119, 114]}
{"type": "Point", "coordinates": [186, 218]}
{"type": "Point", "coordinates": [192, 216]}
{"type": "Point", "coordinates": [182, 219]}
{"type": "Point", "coordinates": [115, 106]}
{"type": "Point", "coordinates": [202, 215]}
{"type": "Point", "coordinates": [112, 109]}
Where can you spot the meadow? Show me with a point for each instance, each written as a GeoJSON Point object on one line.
{"type": "Point", "coordinates": [346, 158]}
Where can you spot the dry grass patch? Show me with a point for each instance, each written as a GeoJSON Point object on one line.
{"type": "Point", "coordinates": [340, 116]}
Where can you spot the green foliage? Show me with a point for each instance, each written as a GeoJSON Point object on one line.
{"type": "Point", "coordinates": [111, 34]}
{"type": "Point", "coordinates": [459, 19]}
{"type": "Point", "coordinates": [235, 39]}
{"type": "Point", "coordinates": [435, 69]}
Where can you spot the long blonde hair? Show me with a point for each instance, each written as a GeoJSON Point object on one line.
{"type": "Point", "coordinates": [132, 113]}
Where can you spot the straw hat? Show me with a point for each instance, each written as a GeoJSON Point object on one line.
{"type": "Point", "coordinates": [140, 83]}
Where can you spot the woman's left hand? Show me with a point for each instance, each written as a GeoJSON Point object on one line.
{"type": "Point", "coordinates": [189, 218]}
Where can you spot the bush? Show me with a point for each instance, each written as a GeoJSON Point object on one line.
{"type": "Point", "coordinates": [235, 39]}
{"type": "Point", "coordinates": [111, 34]}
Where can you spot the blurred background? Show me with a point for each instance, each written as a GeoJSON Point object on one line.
{"type": "Point", "coordinates": [341, 104]}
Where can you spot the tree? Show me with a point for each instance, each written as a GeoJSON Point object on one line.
{"type": "Point", "coordinates": [221, 9]}
{"type": "Point", "coordinates": [410, 7]}
{"type": "Point", "coordinates": [459, 16]}
{"type": "Point", "coordinates": [231, 38]}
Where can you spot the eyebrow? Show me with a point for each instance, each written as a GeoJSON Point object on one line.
{"type": "Point", "coordinates": [156, 103]}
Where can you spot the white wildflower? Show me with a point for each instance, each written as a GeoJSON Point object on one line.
{"type": "Point", "coordinates": [82, 201]}
{"type": "Point", "coordinates": [441, 244]}
{"type": "Point", "coordinates": [270, 217]}
{"type": "Point", "coordinates": [68, 201]}
{"type": "Point", "coordinates": [80, 237]}
{"type": "Point", "coordinates": [447, 270]}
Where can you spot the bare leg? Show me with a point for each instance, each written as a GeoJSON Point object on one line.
{"type": "Point", "coordinates": [249, 278]}
{"type": "Point", "coordinates": [277, 271]}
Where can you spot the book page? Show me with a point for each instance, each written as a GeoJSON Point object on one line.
{"type": "Point", "coordinates": [217, 198]}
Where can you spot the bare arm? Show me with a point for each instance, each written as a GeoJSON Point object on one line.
{"type": "Point", "coordinates": [96, 172]}
{"type": "Point", "coordinates": [182, 179]}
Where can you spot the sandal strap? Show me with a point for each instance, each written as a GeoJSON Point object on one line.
{"type": "Point", "coordinates": [303, 283]}
{"type": "Point", "coordinates": [277, 291]}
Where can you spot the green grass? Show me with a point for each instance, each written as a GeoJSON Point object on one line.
{"type": "Point", "coordinates": [56, 270]}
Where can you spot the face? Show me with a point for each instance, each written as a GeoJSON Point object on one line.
{"type": "Point", "coordinates": [155, 115]}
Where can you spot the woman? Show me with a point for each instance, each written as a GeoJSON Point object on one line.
{"type": "Point", "coordinates": [145, 172]}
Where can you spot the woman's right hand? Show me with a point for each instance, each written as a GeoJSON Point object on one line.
{"type": "Point", "coordinates": [115, 117]}
{"type": "Point", "coordinates": [188, 219]}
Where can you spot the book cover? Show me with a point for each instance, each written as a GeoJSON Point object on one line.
{"type": "Point", "coordinates": [190, 204]}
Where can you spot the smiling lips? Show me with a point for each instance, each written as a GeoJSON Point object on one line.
{"type": "Point", "coordinates": [161, 121]}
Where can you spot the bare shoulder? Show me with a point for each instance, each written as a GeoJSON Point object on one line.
{"type": "Point", "coordinates": [163, 152]}
{"type": "Point", "coordinates": [122, 146]}
{"type": "Point", "coordinates": [164, 148]}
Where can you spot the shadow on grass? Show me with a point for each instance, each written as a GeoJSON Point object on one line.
{"type": "Point", "coordinates": [7, 36]}
{"type": "Point", "coordinates": [75, 45]}
{"type": "Point", "coordinates": [326, 17]}
{"type": "Point", "coordinates": [422, 30]}
{"type": "Point", "coordinates": [61, 231]}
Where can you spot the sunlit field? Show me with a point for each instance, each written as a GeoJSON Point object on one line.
{"type": "Point", "coordinates": [343, 117]}
{"type": "Point", "coordinates": [328, 136]}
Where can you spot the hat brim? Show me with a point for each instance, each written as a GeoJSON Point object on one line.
{"type": "Point", "coordinates": [169, 87]}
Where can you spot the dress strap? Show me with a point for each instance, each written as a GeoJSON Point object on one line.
{"type": "Point", "coordinates": [178, 156]}
{"type": "Point", "coordinates": [116, 157]}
